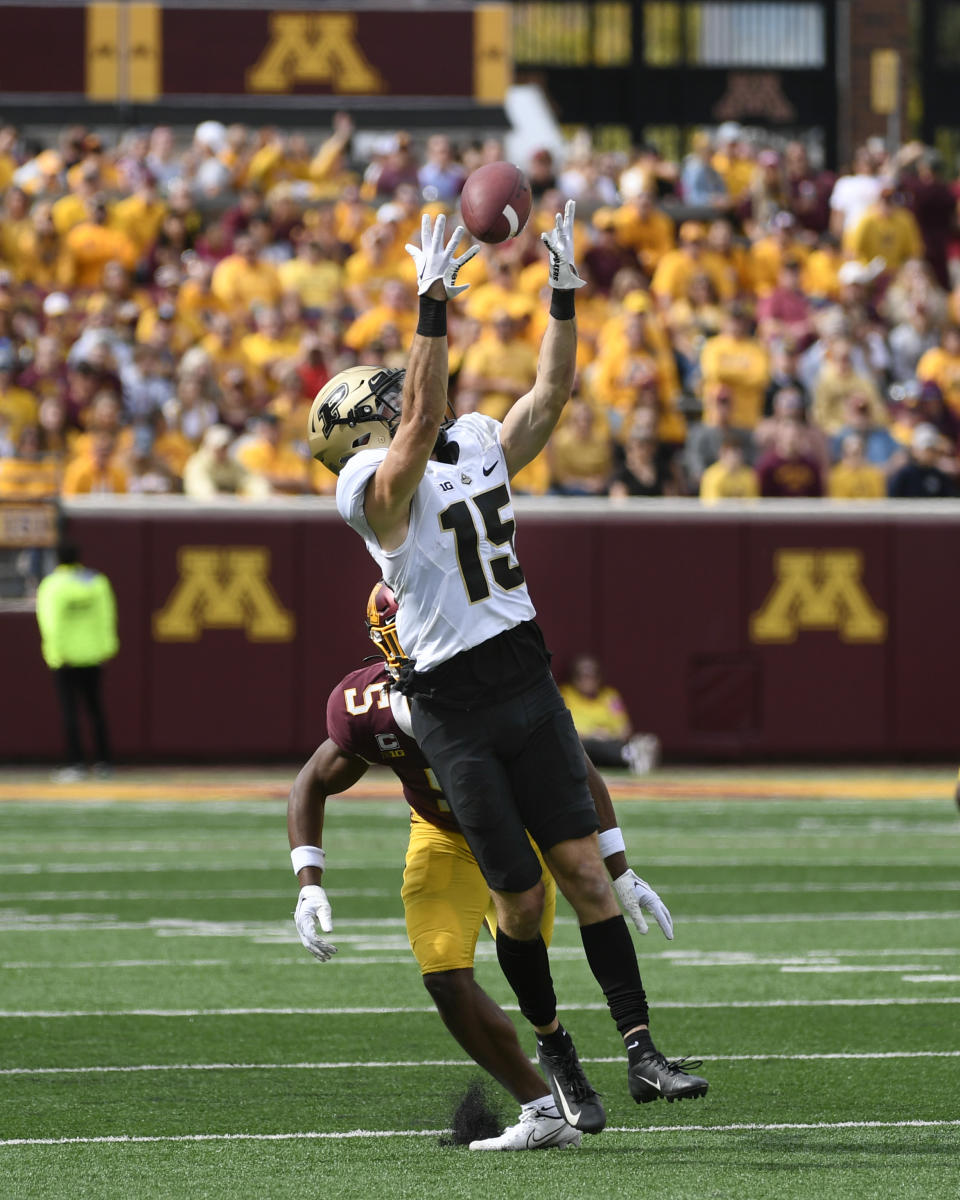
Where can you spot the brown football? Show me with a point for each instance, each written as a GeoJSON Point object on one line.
{"type": "Point", "coordinates": [495, 202]}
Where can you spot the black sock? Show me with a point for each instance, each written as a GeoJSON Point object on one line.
{"type": "Point", "coordinates": [527, 970]}
{"type": "Point", "coordinates": [638, 1044]}
{"type": "Point", "coordinates": [556, 1042]}
{"type": "Point", "coordinates": [613, 961]}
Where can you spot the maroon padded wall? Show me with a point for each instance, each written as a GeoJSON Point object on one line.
{"type": "Point", "coordinates": [666, 595]}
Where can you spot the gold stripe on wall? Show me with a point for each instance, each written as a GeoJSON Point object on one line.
{"type": "Point", "coordinates": [144, 51]}
{"type": "Point", "coordinates": [103, 52]}
{"type": "Point", "coordinates": [492, 65]}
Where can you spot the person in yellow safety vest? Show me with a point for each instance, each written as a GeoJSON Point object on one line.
{"type": "Point", "coordinates": [77, 615]}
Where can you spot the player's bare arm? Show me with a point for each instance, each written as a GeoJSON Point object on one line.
{"type": "Point", "coordinates": [327, 772]}
{"type": "Point", "coordinates": [529, 423]}
{"type": "Point", "coordinates": [391, 489]}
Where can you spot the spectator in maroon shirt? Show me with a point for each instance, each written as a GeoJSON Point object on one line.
{"type": "Point", "coordinates": [808, 191]}
{"type": "Point", "coordinates": [786, 471]}
{"type": "Point", "coordinates": [399, 166]}
{"type": "Point", "coordinates": [785, 314]}
{"type": "Point", "coordinates": [934, 206]}
{"type": "Point", "coordinates": [789, 417]}
{"type": "Point", "coordinates": [606, 257]}
{"type": "Point", "coordinates": [46, 376]}
{"type": "Point", "coordinates": [236, 220]}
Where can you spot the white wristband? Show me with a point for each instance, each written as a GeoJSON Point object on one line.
{"type": "Point", "coordinates": [610, 841]}
{"type": "Point", "coordinates": [307, 856]}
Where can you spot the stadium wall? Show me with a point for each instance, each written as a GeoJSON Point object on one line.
{"type": "Point", "coordinates": [787, 629]}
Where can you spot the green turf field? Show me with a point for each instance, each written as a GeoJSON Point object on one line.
{"type": "Point", "coordinates": [164, 1035]}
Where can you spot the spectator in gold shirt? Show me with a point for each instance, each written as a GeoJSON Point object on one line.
{"type": "Point", "coordinates": [645, 229]}
{"type": "Point", "coordinates": [853, 478]}
{"type": "Point", "coordinates": [942, 367]}
{"type": "Point", "coordinates": [580, 453]}
{"type": "Point", "coordinates": [38, 254]}
{"type": "Point", "coordinates": [729, 478]}
{"type": "Point", "coordinates": [886, 230]}
{"type": "Point", "coordinates": [676, 268]}
{"type": "Point", "coordinates": [499, 368]}
{"type": "Point", "coordinates": [735, 361]}
{"type": "Point", "coordinates": [838, 382]}
{"type": "Point", "coordinates": [396, 308]}
{"type": "Point", "coordinates": [96, 472]}
{"type": "Point", "coordinates": [243, 279]}
{"type": "Point", "coordinates": [265, 456]}
{"type": "Point", "coordinates": [314, 274]}
{"type": "Point", "coordinates": [602, 721]}
{"type": "Point", "coordinates": [140, 216]}
{"type": "Point", "coordinates": [89, 246]}
{"type": "Point", "coordinates": [29, 474]}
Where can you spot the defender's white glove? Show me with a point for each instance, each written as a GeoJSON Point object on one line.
{"type": "Point", "coordinates": [435, 261]}
{"type": "Point", "coordinates": [559, 244]}
{"type": "Point", "coordinates": [636, 894]}
{"type": "Point", "coordinates": [313, 908]}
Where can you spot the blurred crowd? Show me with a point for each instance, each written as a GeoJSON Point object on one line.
{"type": "Point", "coordinates": [753, 324]}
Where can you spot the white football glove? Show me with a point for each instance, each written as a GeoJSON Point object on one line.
{"type": "Point", "coordinates": [313, 909]}
{"type": "Point", "coordinates": [435, 261]}
{"type": "Point", "coordinates": [636, 894]}
{"type": "Point", "coordinates": [559, 244]}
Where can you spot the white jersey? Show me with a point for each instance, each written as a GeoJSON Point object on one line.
{"type": "Point", "coordinates": [456, 578]}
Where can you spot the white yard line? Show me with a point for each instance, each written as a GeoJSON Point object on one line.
{"type": "Point", "coordinates": [706, 889]}
{"type": "Point", "coordinates": [857, 1002]}
{"type": "Point", "coordinates": [448, 1062]}
{"type": "Point", "coordinates": [679, 958]}
{"type": "Point", "coordinates": [127, 1139]}
{"type": "Point", "coordinates": [204, 866]}
{"type": "Point", "coordinates": [218, 894]}
{"type": "Point", "coordinates": [15, 921]}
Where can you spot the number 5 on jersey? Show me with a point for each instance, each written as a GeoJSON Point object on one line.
{"type": "Point", "coordinates": [459, 520]}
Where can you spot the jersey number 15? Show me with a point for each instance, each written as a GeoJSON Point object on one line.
{"type": "Point", "coordinates": [459, 520]}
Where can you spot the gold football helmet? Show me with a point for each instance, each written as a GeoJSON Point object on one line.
{"type": "Point", "coordinates": [359, 409]}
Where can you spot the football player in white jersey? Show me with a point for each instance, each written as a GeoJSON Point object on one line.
{"type": "Point", "coordinates": [431, 500]}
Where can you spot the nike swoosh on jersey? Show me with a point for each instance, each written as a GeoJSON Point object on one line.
{"type": "Point", "coordinates": [492, 467]}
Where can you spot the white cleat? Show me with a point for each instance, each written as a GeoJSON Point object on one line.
{"type": "Point", "coordinates": [534, 1131]}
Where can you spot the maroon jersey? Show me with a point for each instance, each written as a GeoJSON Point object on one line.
{"type": "Point", "coordinates": [360, 722]}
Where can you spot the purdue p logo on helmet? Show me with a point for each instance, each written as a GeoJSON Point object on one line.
{"type": "Point", "coordinates": [357, 410]}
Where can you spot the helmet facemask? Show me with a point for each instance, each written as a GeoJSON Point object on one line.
{"type": "Point", "coordinates": [374, 416]}
{"type": "Point", "coordinates": [381, 621]}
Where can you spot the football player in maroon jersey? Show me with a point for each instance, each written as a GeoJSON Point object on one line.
{"type": "Point", "coordinates": [445, 897]}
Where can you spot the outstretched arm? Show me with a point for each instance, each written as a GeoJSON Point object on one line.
{"type": "Point", "coordinates": [392, 486]}
{"type": "Point", "coordinates": [529, 424]}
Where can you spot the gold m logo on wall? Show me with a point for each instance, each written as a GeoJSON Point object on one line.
{"type": "Point", "coordinates": [223, 587]}
{"type": "Point", "coordinates": [313, 48]}
{"type": "Point", "coordinates": [818, 590]}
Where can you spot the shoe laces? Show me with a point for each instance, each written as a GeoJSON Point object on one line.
{"type": "Point", "coordinates": [569, 1065]}
{"type": "Point", "coordinates": [676, 1066]}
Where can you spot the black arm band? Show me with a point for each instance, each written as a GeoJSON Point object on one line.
{"type": "Point", "coordinates": [433, 317]}
{"type": "Point", "coordinates": [561, 305]}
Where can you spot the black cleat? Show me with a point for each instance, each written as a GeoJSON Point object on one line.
{"type": "Point", "coordinates": [578, 1103]}
{"type": "Point", "coordinates": [652, 1077]}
